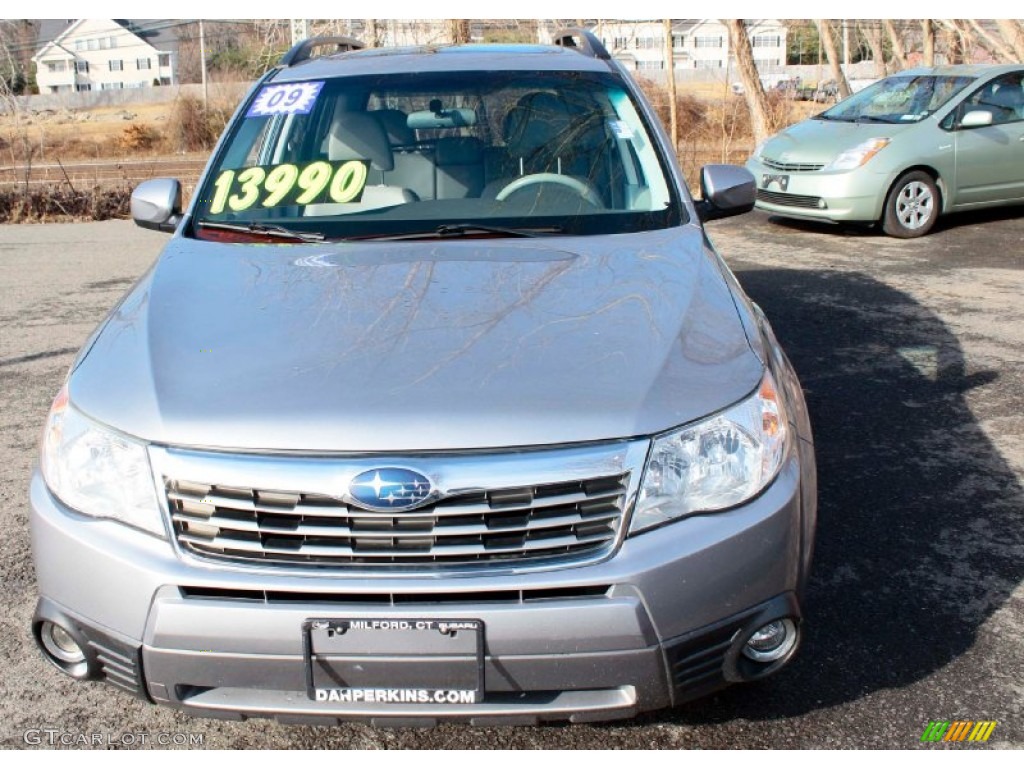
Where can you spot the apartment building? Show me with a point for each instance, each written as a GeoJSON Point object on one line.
{"type": "Point", "coordinates": [696, 44]}
{"type": "Point", "coordinates": [104, 54]}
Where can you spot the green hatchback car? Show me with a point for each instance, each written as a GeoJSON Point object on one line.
{"type": "Point", "coordinates": [903, 151]}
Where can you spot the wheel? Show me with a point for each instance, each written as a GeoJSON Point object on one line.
{"type": "Point", "coordinates": [581, 188]}
{"type": "Point", "coordinates": [912, 206]}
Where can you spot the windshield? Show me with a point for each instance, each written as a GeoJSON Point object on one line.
{"type": "Point", "coordinates": [899, 99]}
{"type": "Point", "coordinates": [376, 156]}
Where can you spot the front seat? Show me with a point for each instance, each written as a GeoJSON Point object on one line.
{"type": "Point", "coordinates": [543, 134]}
{"type": "Point", "coordinates": [360, 136]}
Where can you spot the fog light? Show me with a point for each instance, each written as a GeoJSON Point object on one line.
{"type": "Point", "coordinates": [772, 641]}
{"type": "Point", "coordinates": [63, 649]}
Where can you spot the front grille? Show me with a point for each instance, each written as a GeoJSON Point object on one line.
{"type": "Point", "coordinates": [527, 523]}
{"type": "Point", "coordinates": [778, 165]}
{"type": "Point", "coordinates": [793, 201]}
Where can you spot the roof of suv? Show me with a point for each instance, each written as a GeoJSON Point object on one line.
{"type": "Point", "coordinates": [451, 58]}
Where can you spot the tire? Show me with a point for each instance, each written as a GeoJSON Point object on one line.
{"type": "Point", "coordinates": [912, 207]}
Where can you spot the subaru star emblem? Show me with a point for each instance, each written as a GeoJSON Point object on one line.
{"type": "Point", "coordinates": [389, 488]}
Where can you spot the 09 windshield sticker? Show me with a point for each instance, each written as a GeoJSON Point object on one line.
{"type": "Point", "coordinates": [286, 99]}
{"type": "Point", "coordinates": [269, 186]}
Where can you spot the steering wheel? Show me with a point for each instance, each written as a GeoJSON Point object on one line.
{"type": "Point", "coordinates": [581, 188]}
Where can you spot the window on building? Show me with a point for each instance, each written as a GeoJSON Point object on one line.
{"type": "Point", "coordinates": [116, 65]}
{"type": "Point", "coordinates": [621, 42]}
{"type": "Point", "coordinates": [165, 81]}
{"type": "Point", "coordinates": [82, 67]}
{"type": "Point", "coordinates": [111, 86]}
{"type": "Point", "coordinates": [142, 63]}
{"type": "Point", "coordinates": [650, 65]}
{"type": "Point", "coordinates": [677, 42]}
{"type": "Point", "coordinates": [92, 45]}
{"type": "Point", "coordinates": [164, 60]}
{"type": "Point", "coordinates": [767, 63]}
{"type": "Point", "coordinates": [707, 42]}
{"type": "Point", "coordinates": [708, 63]}
{"type": "Point", "coordinates": [650, 42]}
{"type": "Point", "coordinates": [56, 66]}
{"type": "Point", "coordinates": [113, 42]}
{"type": "Point", "coordinates": [766, 41]}
{"type": "Point", "coordinates": [79, 45]}
{"type": "Point", "coordinates": [83, 87]}
{"type": "Point", "coordinates": [104, 43]}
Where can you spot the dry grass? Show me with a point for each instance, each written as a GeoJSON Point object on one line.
{"type": "Point", "coordinates": [56, 203]}
{"type": "Point", "coordinates": [716, 128]}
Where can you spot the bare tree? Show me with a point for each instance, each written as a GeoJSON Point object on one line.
{"type": "Point", "coordinates": [1013, 33]}
{"type": "Point", "coordinates": [899, 55]}
{"type": "Point", "coordinates": [374, 33]}
{"type": "Point", "coordinates": [670, 70]}
{"type": "Point", "coordinates": [829, 43]}
{"type": "Point", "coordinates": [871, 29]}
{"type": "Point", "coordinates": [753, 91]}
{"type": "Point", "coordinates": [458, 31]}
{"type": "Point", "coordinates": [928, 42]}
{"type": "Point", "coordinates": [993, 43]}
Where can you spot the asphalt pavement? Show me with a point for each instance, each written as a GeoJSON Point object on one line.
{"type": "Point", "coordinates": [912, 356]}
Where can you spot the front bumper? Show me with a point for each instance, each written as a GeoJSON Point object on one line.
{"type": "Point", "coordinates": [659, 623]}
{"type": "Point", "coordinates": [855, 195]}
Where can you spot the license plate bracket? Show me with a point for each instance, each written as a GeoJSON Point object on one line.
{"type": "Point", "coordinates": [406, 661]}
{"type": "Point", "coordinates": [780, 179]}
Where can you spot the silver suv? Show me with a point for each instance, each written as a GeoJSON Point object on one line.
{"type": "Point", "coordinates": [438, 404]}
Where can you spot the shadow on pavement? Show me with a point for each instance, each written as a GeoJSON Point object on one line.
{"type": "Point", "coordinates": [920, 524]}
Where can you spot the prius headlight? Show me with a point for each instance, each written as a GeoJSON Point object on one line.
{"type": "Point", "coordinates": [856, 156]}
{"type": "Point", "coordinates": [96, 471]}
{"type": "Point", "coordinates": [716, 463]}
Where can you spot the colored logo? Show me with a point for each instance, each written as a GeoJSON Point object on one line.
{"type": "Point", "coordinates": [958, 730]}
{"type": "Point", "coordinates": [389, 488]}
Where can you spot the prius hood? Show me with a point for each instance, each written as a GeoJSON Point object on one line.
{"type": "Point", "coordinates": [822, 141]}
{"type": "Point", "coordinates": [414, 346]}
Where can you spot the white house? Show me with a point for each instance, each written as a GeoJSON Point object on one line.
{"type": "Point", "coordinates": [696, 43]}
{"type": "Point", "coordinates": [103, 54]}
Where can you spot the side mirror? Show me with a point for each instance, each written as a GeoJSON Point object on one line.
{"type": "Point", "coordinates": [728, 190]}
{"type": "Point", "coordinates": [156, 204]}
{"type": "Point", "coordinates": [976, 119]}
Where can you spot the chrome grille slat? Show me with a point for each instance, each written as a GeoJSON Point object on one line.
{"type": "Point", "coordinates": [438, 532]}
{"type": "Point", "coordinates": [578, 517]}
{"type": "Point", "coordinates": [562, 543]}
{"type": "Point", "coordinates": [330, 507]}
{"type": "Point", "coordinates": [778, 165]}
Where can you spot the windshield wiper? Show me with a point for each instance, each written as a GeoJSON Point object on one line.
{"type": "Point", "coordinates": [871, 119]}
{"type": "Point", "coordinates": [463, 230]}
{"type": "Point", "coordinates": [271, 230]}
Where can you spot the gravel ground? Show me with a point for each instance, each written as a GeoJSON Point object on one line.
{"type": "Point", "coordinates": [912, 355]}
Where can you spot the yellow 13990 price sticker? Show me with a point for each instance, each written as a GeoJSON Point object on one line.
{"type": "Point", "coordinates": [287, 184]}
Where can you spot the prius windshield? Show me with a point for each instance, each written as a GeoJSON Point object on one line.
{"type": "Point", "coordinates": [898, 99]}
{"type": "Point", "coordinates": [438, 153]}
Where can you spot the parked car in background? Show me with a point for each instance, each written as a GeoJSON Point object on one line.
{"type": "Point", "coordinates": [903, 151]}
{"type": "Point", "coordinates": [438, 404]}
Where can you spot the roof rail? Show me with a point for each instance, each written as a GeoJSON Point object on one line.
{"type": "Point", "coordinates": [588, 42]}
{"type": "Point", "coordinates": [303, 51]}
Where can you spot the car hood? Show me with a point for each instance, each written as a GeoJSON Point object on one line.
{"type": "Point", "coordinates": [821, 141]}
{"type": "Point", "coordinates": [393, 346]}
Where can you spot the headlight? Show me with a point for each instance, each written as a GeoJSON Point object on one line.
{"type": "Point", "coordinates": [96, 471]}
{"type": "Point", "coordinates": [857, 156]}
{"type": "Point", "coordinates": [716, 463]}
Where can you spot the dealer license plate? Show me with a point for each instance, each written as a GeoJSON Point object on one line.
{"type": "Point", "coordinates": [394, 661]}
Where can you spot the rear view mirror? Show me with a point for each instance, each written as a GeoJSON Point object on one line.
{"type": "Point", "coordinates": [976, 119]}
{"type": "Point", "coordinates": [442, 118]}
{"type": "Point", "coordinates": [727, 190]}
{"type": "Point", "coordinates": [156, 204]}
